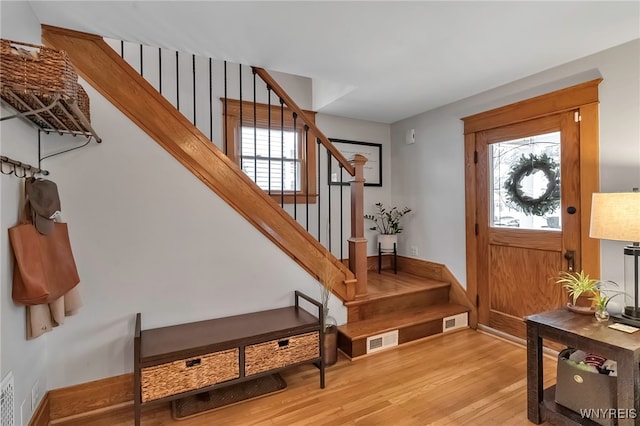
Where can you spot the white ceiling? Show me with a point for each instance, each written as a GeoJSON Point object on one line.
{"type": "Point", "coordinates": [373, 60]}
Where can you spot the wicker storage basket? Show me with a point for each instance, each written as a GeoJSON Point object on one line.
{"type": "Point", "coordinates": [280, 353]}
{"type": "Point", "coordinates": [46, 73]}
{"type": "Point", "coordinates": [189, 374]}
{"type": "Point", "coordinates": [83, 103]}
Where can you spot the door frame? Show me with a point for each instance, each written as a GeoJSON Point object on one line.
{"type": "Point", "coordinates": [582, 97]}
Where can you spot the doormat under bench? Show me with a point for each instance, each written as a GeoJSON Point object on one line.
{"type": "Point", "coordinates": [205, 402]}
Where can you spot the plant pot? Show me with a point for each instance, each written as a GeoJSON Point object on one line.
{"type": "Point", "coordinates": [330, 342]}
{"type": "Point", "coordinates": [583, 305]}
{"type": "Point", "coordinates": [387, 241]}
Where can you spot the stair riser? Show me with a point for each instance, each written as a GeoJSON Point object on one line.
{"type": "Point", "coordinates": [358, 347]}
{"type": "Point", "coordinates": [398, 303]}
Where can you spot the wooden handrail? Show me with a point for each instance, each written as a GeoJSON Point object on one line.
{"type": "Point", "coordinates": [110, 75]}
{"type": "Point", "coordinates": [278, 90]}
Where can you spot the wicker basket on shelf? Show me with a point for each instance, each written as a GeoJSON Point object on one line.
{"type": "Point", "coordinates": [83, 103]}
{"type": "Point", "coordinates": [33, 77]}
{"type": "Point", "coordinates": [37, 70]}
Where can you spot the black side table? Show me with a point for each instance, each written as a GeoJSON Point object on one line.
{"type": "Point", "coordinates": [393, 251]}
{"type": "Point", "coordinates": [583, 332]}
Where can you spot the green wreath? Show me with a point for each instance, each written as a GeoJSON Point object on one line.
{"type": "Point", "coordinates": [526, 166]}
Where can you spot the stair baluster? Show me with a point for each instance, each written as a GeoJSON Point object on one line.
{"type": "Point", "coordinates": [302, 150]}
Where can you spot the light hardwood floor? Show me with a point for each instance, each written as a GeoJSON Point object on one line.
{"type": "Point", "coordinates": [461, 378]}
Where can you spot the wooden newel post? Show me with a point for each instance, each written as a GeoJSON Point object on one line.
{"type": "Point", "coordinates": [357, 242]}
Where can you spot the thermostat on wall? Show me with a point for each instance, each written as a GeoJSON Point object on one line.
{"type": "Point", "coordinates": [411, 136]}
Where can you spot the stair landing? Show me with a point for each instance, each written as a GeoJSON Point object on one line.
{"type": "Point", "coordinates": [414, 306]}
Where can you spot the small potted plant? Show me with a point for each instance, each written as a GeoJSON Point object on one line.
{"type": "Point", "coordinates": [582, 290]}
{"type": "Point", "coordinates": [387, 223]}
{"type": "Point", "coordinates": [601, 300]}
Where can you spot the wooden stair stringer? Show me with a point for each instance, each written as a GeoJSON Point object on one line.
{"type": "Point", "coordinates": [439, 271]}
{"type": "Point", "coordinates": [114, 78]}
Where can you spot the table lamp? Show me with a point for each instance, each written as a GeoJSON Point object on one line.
{"type": "Point", "coordinates": [616, 216]}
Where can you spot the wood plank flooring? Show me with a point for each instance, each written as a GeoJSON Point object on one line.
{"type": "Point", "coordinates": [461, 378]}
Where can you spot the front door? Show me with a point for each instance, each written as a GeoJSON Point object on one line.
{"type": "Point", "coordinates": [528, 200]}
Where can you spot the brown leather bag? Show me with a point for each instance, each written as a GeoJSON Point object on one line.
{"type": "Point", "coordinates": [44, 268]}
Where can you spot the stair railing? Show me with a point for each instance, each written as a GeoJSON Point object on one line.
{"type": "Point", "coordinates": [313, 198]}
{"type": "Point", "coordinates": [355, 168]}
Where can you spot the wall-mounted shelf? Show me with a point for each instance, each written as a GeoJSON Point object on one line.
{"type": "Point", "coordinates": [52, 114]}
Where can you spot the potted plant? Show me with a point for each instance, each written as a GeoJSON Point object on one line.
{"type": "Point", "coordinates": [581, 288]}
{"type": "Point", "coordinates": [387, 223]}
{"type": "Point", "coordinates": [601, 300]}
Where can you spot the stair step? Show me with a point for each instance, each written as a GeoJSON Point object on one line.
{"type": "Point", "coordinates": [388, 284]}
{"type": "Point", "coordinates": [389, 292]}
{"type": "Point", "coordinates": [412, 324]}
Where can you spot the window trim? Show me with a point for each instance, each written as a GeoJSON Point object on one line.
{"type": "Point", "coordinates": [233, 126]}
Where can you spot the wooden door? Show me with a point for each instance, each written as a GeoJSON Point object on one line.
{"type": "Point", "coordinates": [529, 223]}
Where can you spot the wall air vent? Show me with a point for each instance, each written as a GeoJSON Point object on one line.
{"type": "Point", "coordinates": [455, 322]}
{"type": "Point", "coordinates": [7, 416]}
{"type": "Point", "coordinates": [382, 341]}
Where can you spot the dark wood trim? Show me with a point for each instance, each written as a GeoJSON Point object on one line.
{"type": "Point", "coordinates": [41, 416]}
{"type": "Point", "coordinates": [110, 75]}
{"type": "Point", "coordinates": [562, 100]}
{"type": "Point", "coordinates": [471, 223]}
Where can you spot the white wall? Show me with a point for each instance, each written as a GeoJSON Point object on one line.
{"type": "Point", "coordinates": [297, 87]}
{"type": "Point", "coordinates": [147, 237]}
{"type": "Point", "coordinates": [430, 174]}
{"type": "Point", "coordinates": [364, 131]}
{"type": "Point", "coordinates": [25, 359]}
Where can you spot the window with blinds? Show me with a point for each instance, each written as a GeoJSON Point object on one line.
{"type": "Point", "coordinates": [271, 158]}
{"type": "Point", "coordinates": [273, 149]}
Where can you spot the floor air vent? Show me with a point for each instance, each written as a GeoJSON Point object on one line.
{"type": "Point", "coordinates": [382, 341]}
{"type": "Point", "coordinates": [455, 322]}
{"type": "Point", "coordinates": [7, 417]}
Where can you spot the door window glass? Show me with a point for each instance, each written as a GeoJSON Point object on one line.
{"type": "Point", "coordinates": [525, 182]}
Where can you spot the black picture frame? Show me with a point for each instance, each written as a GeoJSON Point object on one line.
{"type": "Point", "coordinates": [372, 169]}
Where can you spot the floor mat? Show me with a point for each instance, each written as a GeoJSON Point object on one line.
{"type": "Point", "coordinates": [223, 397]}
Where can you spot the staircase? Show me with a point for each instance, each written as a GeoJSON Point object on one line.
{"type": "Point", "coordinates": [415, 303]}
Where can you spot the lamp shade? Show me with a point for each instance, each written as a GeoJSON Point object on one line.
{"type": "Point", "coordinates": [615, 216]}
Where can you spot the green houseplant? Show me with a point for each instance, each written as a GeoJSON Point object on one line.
{"type": "Point", "coordinates": [581, 289]}
{"type": "Point", "coordinates": [387, 222]}
{"type": "Point", "coordinates": [601, 299]}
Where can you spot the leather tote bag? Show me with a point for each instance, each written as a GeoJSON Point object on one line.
{"type": "Point", "coordinates": [44, 268]}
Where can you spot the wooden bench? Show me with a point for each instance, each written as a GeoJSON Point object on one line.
{"type": "Point", "coordinates": [182, 360]}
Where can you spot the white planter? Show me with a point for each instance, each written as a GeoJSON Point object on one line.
{"type": "Point", "coordinates": [387, 241]}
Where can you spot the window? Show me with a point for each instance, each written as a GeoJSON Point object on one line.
{"type": "Point", "coordinates": [271, 151]}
